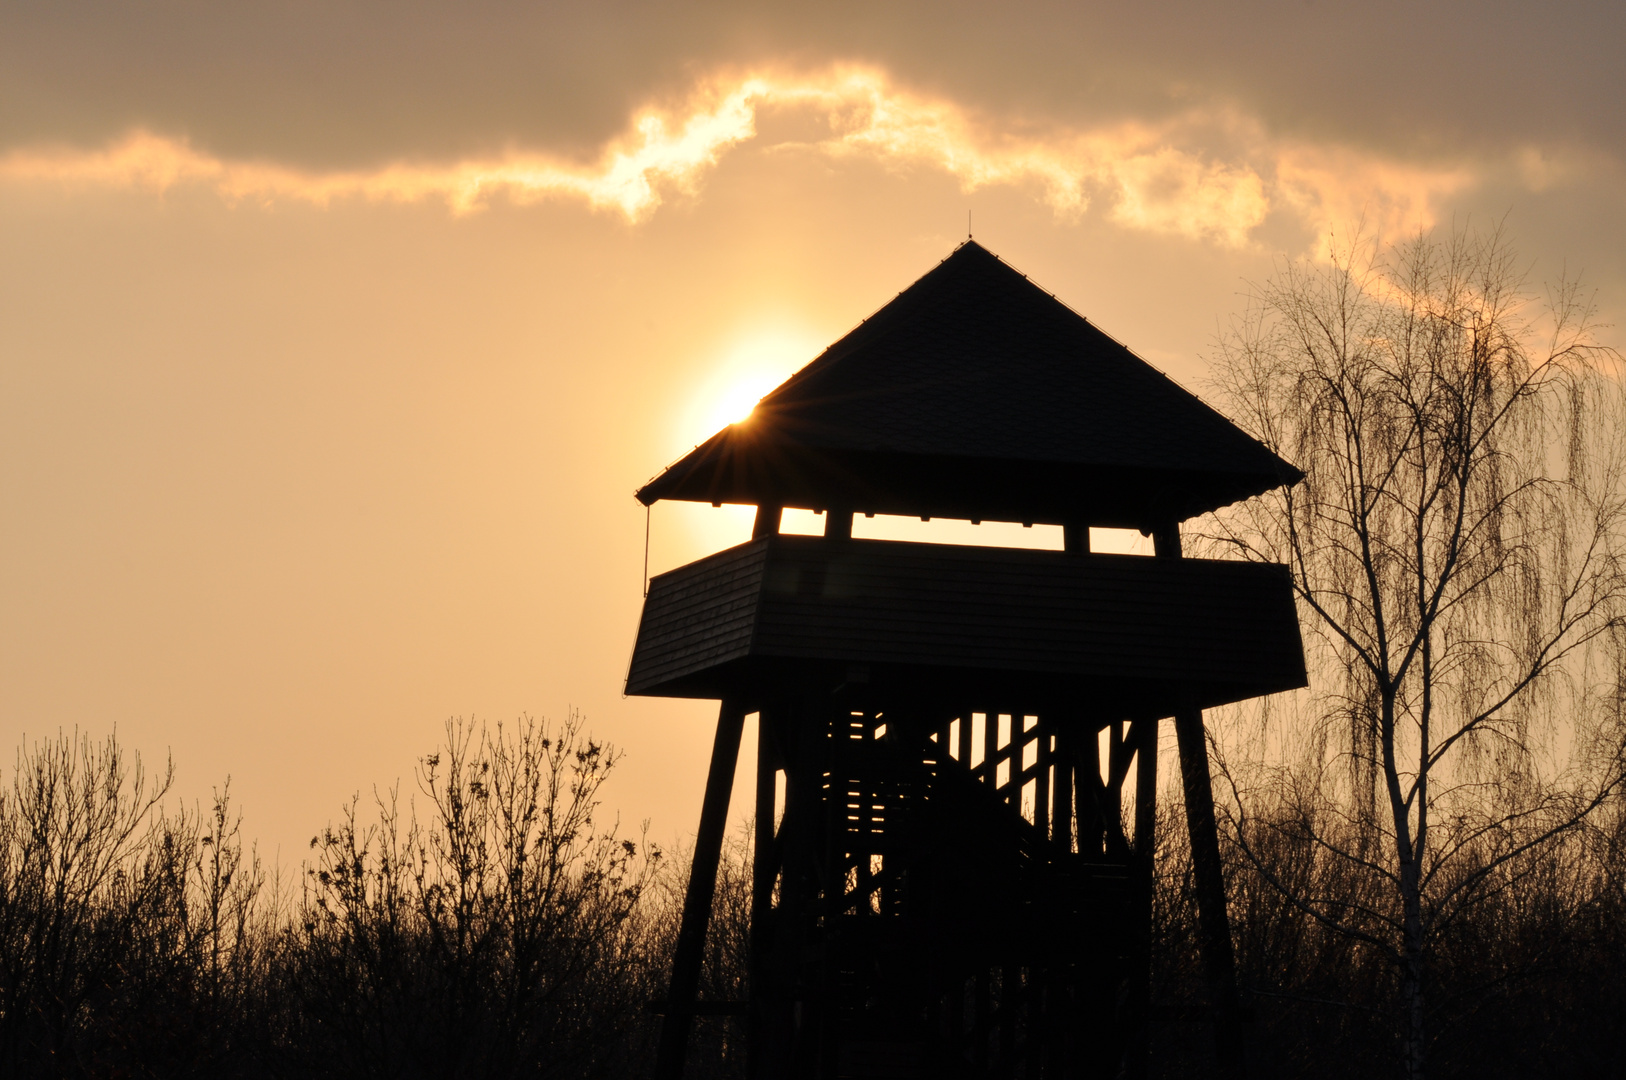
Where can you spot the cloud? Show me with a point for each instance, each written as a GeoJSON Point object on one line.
{"type": "Point", "coordinates": [628, 178]}
{"type": "Point", "coordinates": [1335, 188]}
{"type": "Point", "coordinates": [1160, 177]}
{"type": "Point", "coordinates": [1147, 182]}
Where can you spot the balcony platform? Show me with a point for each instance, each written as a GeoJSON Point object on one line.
{"type": "Point", "coordinates": [1119, 636]}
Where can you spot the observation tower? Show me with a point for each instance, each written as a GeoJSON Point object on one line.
{"type": "Point", "coordinates": [958, 881]}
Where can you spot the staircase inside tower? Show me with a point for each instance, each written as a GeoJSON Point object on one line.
{"type": "Point", "coordinates": [951, 896]}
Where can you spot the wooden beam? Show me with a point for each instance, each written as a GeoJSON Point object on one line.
{"type": "Point", "coordinates": [1121, 758]}
{"type": "Point", "coordinates": [691, 941]}
{"type": "Point", "coordinates": [764, 870]}
{"type": "Point", "coordinates": [1041, 787]}
{"type": "Point", "coordinates": [1061, 813]}
{"type": "Point", "coordinates": [767, 521]}
{"type": "Point", "coordinates": [1137, 1044]}
{"type": "Point", "coordinates": [1208, 873]}
{"type": "Point", "coordinates": [1209, 877]}
{"type": "Point", "coordinates": [1092, 826]}
{"type": "Point", "coordinates": [990, 748]}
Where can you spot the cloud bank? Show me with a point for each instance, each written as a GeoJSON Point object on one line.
{"type": "Point", "coordinates": [1208, 175]}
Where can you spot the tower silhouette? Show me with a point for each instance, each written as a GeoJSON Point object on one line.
{"type": "Point", "coordinates": [959, 879]}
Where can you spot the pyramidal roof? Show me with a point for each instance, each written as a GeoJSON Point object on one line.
{"type": "Point", "coordinates": [977, 394]}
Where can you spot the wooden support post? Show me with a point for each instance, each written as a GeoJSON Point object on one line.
{"type": "Point", "coordinates": [1208, 874]}
{"type": "Point", "coordinates": [1138, 1042]}
{"type": "Point", "coordinates": [1061, 812]}
{"type": "Point", "coordinates": [1086, 780]}
{"type": "Point", "coordinates": [830, 861]}
{"type": "Point", "coordinates": [990, 748]}
{"type": "Point", "coordinates": [1041, 785]}
{"type": "Point", "coordinates": [1145, 788]}
{"type": "Point", "coordinates": [838, 523]}
{"type": "Point", "coordinates": [1209, 877]}
{"type": "Point", "coordinates": [767, 521]}
{"type": "Point", "coordinates": [691, 941]}
{"type": "Point", "coordinates": [764, 869]}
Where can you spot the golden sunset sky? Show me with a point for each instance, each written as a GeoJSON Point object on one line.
{"type": "Point", "coordinates": [335, 337]}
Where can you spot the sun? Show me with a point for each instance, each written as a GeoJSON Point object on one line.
{"type": "Point", "coordinates": [745, 371]}
{"type": "Point", "coordinates": [739, 401]}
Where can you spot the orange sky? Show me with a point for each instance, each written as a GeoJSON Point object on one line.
{"type": "Point", "coordinates": [320, 418]}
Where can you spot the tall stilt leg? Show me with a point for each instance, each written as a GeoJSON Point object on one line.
{"type": "Point", "coordinates": [764, 869]}
{"type": "Point", "coordinates": [1140, 982]}
{"type": "Point", "coordinates": [691, 942]}
{"type": "Point", "coordinates": [1215, 924]}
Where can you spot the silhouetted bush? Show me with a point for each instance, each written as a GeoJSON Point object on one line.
{"type": "Point", "coordinates": [501, 935]}
{"type": "Point", "coordinates": [130, 938]}
{"type": "Point", "coordinates": [489, 925]}
{"type": "Point", "coordinates": [717, 1041]}
{"type": "Point", "coordinates": [1527, 982]}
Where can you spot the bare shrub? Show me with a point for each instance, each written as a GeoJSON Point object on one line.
{"type": "Point", "coordinates": [126, 934]}
{"type": "Point", "coordinates": [501, 934]}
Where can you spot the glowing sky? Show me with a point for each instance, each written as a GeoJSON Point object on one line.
{"type": "Point", "coordinates": [334, 337]}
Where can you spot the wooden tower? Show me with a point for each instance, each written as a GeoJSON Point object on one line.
{"type": "Point", "coordinates": [957, 885]}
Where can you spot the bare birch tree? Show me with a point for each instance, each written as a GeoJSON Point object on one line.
{"type": "Point", "coordinates": [1457, 550]}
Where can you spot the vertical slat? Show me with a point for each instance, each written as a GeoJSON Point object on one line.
{"type": "Point", "coordinates": [1112, 807]}
{"type": "Point", "coordinates": [1041, 787]}
{"type": "Point", "coordinates": [863, 793]}
{"type": "Point", "coordinates": [1117, 760]}
{"type": "Point", "coordinates": [1091, 829]}
{"type": "Point", "coordinates": [1061, 813]}
{"type": "Point", "coordinates": [990, 748]}
{"type": "Point", "coordinates": [1145, 738]}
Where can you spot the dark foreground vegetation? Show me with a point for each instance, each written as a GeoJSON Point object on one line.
{"type": "Point", "coordinates": [492, 926]}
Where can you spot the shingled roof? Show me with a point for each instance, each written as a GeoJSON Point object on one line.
{"type": "Point", "coordinates": [977, 394]}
